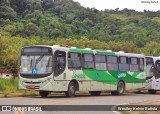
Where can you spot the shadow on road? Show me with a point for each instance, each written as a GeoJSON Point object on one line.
{"type": "Point", "coordinates": [80, 95]}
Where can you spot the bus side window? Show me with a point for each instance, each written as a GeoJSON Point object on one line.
{"type": "Point", "coordinates": [123, 63]}
{"type": "Point", "coordinates": [134, 64]}
{"type": "Point", "coordinates": [141, 64]}
{"type": "Point", "coordinates": [112, 63]}
{"type": "Point", "coordinates": [88, 61]}
{"type": "Point", "coordinates": [100, 62]}
{"type": "Point", "coordinates": [59, 62]}
{"type": "Point", "coordinates": [74, 60]}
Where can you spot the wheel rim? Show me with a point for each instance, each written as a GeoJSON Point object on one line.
{"type": "Point", "coordinates": [72, 90]}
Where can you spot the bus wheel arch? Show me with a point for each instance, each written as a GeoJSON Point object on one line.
{"type": "Point", "coordinates": [76, 83]}
{"type": "Point", "coordinates": [73, 86]}
{"type": "Point", "coordinates": [44, 94]}
{"type": "Point", "coordinates": [152, 91]}
{"type": "Point", "coordinates": [120, 88]}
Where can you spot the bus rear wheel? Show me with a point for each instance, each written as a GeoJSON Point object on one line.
{"type": "Point", "coordinates": [44, 94]}
{"type": "Point", "coordinates": [71, 90]}
{"type": "Point", "coordinates": [95, 93]}
{"type": "Point", "coordinates": [120, 89]}
{"type": "Point", "coordinates": [152, 91]}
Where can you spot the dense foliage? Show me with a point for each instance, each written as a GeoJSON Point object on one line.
{"type": "Point", "coordinates": [29, 22]}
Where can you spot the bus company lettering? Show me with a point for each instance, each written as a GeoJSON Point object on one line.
{"type": "Point", "coordinates": [75, 75]}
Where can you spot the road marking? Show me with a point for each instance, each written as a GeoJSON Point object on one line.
{"type": "Point", "coordinates": [16, 112]}
{"type": "Point", "coordinates": [19, 112]}
{"type": "Point", "coordinates": [22, 112]}
{"type": "Point", "coordinates": [116, 112]}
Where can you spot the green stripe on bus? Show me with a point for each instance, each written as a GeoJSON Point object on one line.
{"type": "Point", "coordinates": [112, 77]}
{"type": "Point", "coordinates": [105, 53]}
{"type": "Point", "coordinates": [81, 50]}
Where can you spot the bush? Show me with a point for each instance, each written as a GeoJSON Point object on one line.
{"type": "Point", "coordinates": [9, 84]}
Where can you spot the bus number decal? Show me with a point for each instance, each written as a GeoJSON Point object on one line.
{"type": "Point", "coordinates": [120, 75]}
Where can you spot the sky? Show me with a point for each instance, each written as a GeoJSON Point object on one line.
{"type": "Point", "coordinates": [138, 5]}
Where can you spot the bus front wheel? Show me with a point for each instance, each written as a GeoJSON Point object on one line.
{"type": "Point", "coordinates": [120, 89]}
{"type": "Point", "coordinates": [71, 90]}
{"type": "Point", "coordinates": [44, 94]}
{"type": "Point", "coordinates": [95, 93]}
{"type": "Point", "coordinates": [152, 91]}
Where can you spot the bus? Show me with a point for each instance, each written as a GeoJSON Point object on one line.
{"type": "Point", "coordinates": [153, 74]}
{"type": "Point", "coordinates": [69, 69]}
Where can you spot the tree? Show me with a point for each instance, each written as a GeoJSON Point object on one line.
{"type": "Point", "coordinates": [47, 4]}
{"type": "Point", "coordinates": [151, 48]}
{"type": "Point", "coordinates": [18, 5]}
{"type": "Point", "coordinates": [141, 39]}
{"type": "Point", "coordinates": [6, 11]}
{"type": "Point", "coordinates": [31, 29]}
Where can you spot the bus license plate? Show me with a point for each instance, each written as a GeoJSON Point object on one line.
{"type": "Point", "coordinates": [31, 86]}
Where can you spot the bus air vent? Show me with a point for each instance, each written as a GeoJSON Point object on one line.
{"type": "Point", "coordinates": [73, 47]}
{"type": "Point", "coordinates": [56, 45]}
{"type": "Point", "coordinates": [120, 51]}
{"type": "Point", "coordinates": [88, 48]}
{"type": "Point", "coordinates": [109, 50]}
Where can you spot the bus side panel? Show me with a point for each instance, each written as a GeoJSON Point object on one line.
{"type": "Point", "coordinates": [138, 85]}
{"type": "Point", "coordinates": [60, 85]}
{"type": "Point", "coordinates": [96, 86]}
{"type": "Point", "coordinates": [113, 87]}
{"type": "Point", "coordinates": [129, 86]}
{"type": "Point", "coordinates": [140, 80]}
{"type": "Point", "coordinates": [84, 85]}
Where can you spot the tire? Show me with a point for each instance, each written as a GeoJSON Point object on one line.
{"type": "Point", "coordinates": [71, 90]}
{"type": "Point", "coordinates": [120, 89]}
{"type": "Point", "coordinates": [152, 91]}
{"type": "Point", "coordinates": [44, 94]}
{"type": "Point", "coordinates": [95, 93]}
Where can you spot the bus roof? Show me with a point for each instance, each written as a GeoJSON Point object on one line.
{"type": "Point", "coordinates": [89, 50]}
{"type": "Point", "coordinates": [154, 58]}
{"type": "Point", "coordinates": [103, 52]}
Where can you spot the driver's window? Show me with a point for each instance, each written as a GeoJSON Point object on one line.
{"type": "Point", "coordinates": [59, 62]}
{"type": "Point", "coordinates": [156, 69]}
{"type": "Point", "coordinates": [150, 70]}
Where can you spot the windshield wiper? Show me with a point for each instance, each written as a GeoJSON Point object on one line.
{"type": "Point", "coordinates": [31, 64]}
{"type": "Point", "coordinates": [38, 60]}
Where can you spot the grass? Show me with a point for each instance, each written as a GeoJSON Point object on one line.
{"type": "Point", "coordinates": [9, 84]}
{"type": "Point", "coordinates": [9, 88]}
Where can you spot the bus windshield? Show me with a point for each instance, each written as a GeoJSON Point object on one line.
{"type": "Point", "coordinates": [156, 69]}
{"type": "Point", "coordinates": [36, 64]}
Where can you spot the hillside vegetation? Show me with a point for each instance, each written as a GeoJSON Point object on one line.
{"type": "Point", "coordinates": [31, 22]}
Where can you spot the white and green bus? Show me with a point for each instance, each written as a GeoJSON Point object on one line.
{"type": "Point", "coordinates": [70, 69]}
{"type": "Point", "coordinates": [153, 74]}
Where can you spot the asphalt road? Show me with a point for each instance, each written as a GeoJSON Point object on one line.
{"type": "Point", "coordinates": [83, 99]}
